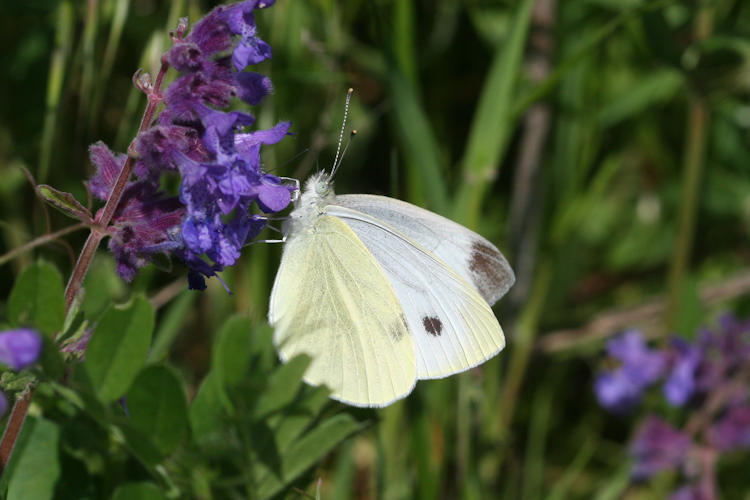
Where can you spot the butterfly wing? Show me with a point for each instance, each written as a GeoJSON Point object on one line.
{"type": "Point", "coordinates": [452, 326]}
{"type": "Point", "coordinates": [332, 301]}
{"type": "Point", "coordinates": [470, 255]}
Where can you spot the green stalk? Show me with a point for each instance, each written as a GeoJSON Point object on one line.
{"type": "Point", "coordinates": [493, 122]}
{"type": "Point", "coordinates": [58, 64]}
{"type": "Point", "coordinates": [696, 138]}
{"type": "Point", "coordinates": [113, 42]}
{"type": "Point", "coordinates": [523, 343]}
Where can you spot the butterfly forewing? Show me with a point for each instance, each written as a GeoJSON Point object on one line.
{"type": "Point", "coordinates": [332, 301]}
{"type": "Point", "coordinates": [470, 255]}
{"type": "Point", "coordinates": [452, 326]}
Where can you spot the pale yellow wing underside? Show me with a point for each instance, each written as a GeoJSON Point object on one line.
{"type": "Point", "coordinates": [332, 301]}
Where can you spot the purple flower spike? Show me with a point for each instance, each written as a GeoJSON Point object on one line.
{"type": "Point", "coordinates": [733, 430]}
{"type": "Point", "coordinates": [640, 366]}
{"type": "Point", "coordinates": [19, 348]}
{"type": "Point", "coordinates": [208, 146]}
{"type": "Point", "coordinates": [657, 446]}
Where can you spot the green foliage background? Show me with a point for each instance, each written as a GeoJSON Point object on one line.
{"type": "Point", "coordinates": [635, 213]}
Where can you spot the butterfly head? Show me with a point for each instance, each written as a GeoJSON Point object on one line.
{"type": "Point", "coordinates": [319, 187]}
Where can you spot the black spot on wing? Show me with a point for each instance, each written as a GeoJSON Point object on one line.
{"type": "Point", "coordinates": [490, 272]}
{"type": "Point", "coordinates": [432, 325]}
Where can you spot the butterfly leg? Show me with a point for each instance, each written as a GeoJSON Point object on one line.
{"type": "Point", "coordinates": [295, 183]}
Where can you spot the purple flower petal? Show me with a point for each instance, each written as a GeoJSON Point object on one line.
{"type": "Point", "coordinates": [732, 431]}
{"type": "Point", "coordinates": [186, 57]}
{"type": "Point", "coordinates": [272, 195]}
{"type": "Point", "coordinates": [253, 87]}
{"type": "Point", "coordinates": [657, 446]}
{"type": "Point", "coordinates": [212, 34]}
{"type": "Point", "coordinates": [108, 166]}
{"type": "Point", "coordinates": [19, 348]}
{"type": "Point", "coordinates": [616, 392]}
{"type": "Point", "coordinates": [643, 365]}
{"type": "Point", "coordinates": [640, 366]}
{"type": "Point", "coordinates": [250, 51]}
{"type": "Point", "coordinates": [245, 143]}
{"type": "Point", "coordinates": [681, 382]}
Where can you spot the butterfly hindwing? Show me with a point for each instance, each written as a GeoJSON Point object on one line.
{"type": "Point", "coordinates": [470, 255]}
{"type": "Point", "coordinates": [332, 301]}
{"type": "Point", "coordinates": [452, 326]}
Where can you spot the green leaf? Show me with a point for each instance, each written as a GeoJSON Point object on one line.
{"type": "Point", "coordinates": [648, 91]}
{"type": "Point", "coordinates": [51, 359]}
{"type": "Point", "coordinates": [206, 408]}
{"type": "Point", "coordinates": [158, 407]}
{"type": "Point", "coordinates": [418, 139]}
{"type": "Point", "coordinates": [141, 445]}
{"type": "Point", "coordinates": [293, 422]}
{"type": "Point", "coordinates": [37, 299]}
{"type": "Point", "coordinates": [138, 491]}
{"type": "Point", "coordinates": [282, 386]}
{"type": "Point", "coordinates": [118, 348]}
{"type": "Point", "coordinates": [231, 352]}
{"type": "Point", "coordinates": [170, 325]}
{"type": "Point", "coordinates": [38, 468]}
{"type": "Point", "coordinates": [103, 287]}
{"type": "Point", "coordinates": [64, 202]}
{"type": "Point", "coordinates": [306, 452]}
{"type": "Point", "coordinates": [493, 121]}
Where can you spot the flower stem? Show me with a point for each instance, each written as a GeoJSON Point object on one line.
{"type": "Point", "coordinates": [13, 428]}
{"type": "Point", "coordinates": [96, 235]}
{"type": "Point", "coordinates": [41, 240]}
{"type": "Point", "coordinates": [98, 232]}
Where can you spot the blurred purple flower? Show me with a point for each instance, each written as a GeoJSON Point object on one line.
{"type": "Point", "coordinates": [688, 492]}
{"type": "Point", "coordinates": [681, 381]}
{"type": "Point", "coordinates": [732, 431]}
{"type": "Point", "coordinates": [3, 404]}
{"type": "Point", "coordinates": [19, 348]}
{"type": "Point", "coordinates": [217, 160]}
{"type": "Point", "coordinates": [657, 446]}
{"type": "Point", "coordinates": [620, 389]}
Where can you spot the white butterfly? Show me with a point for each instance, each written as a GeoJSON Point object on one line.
{"type": "Point", "coordinates": [381, 293]}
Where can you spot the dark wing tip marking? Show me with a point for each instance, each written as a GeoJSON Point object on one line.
{"type": "Point", "coordinates": [432, 325]}
{"type": "Point", "coordinates": [491, 274]}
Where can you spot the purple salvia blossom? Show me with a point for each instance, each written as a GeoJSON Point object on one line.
{"type": "Point", "coordinates": [732, 431]}
{"type": "Point", "coordinates": [19, 348]}
{"type": "Point", "coordinates": [217, 160]}
{"type": "Point", "coordinates": [620, 389]}
{"type": "Point", "coordinates": [657, 446]}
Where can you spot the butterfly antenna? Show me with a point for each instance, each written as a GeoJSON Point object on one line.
{"type": "Point", "coordinates": [336, 161]}
{"type": "Point", "coordinates": [352, 135]}
{"type": "Point", "coordinates": [287, 162]}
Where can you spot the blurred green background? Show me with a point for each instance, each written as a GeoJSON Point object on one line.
{"type": "Point", "coordinates": [603, 145]}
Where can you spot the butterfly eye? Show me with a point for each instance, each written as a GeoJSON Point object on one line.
{"type": "Point", "coordinates": [321, 188]}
